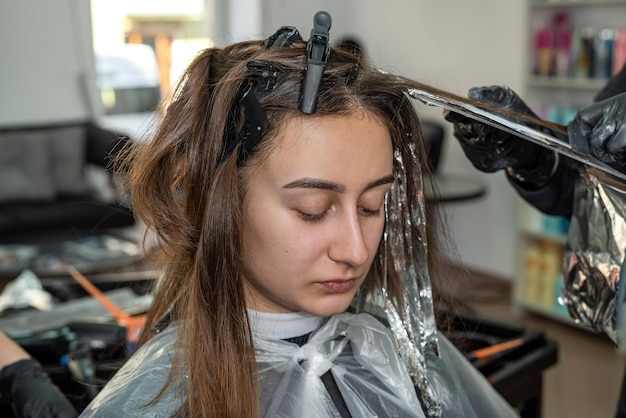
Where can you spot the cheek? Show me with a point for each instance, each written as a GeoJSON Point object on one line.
{"type": "Point", "coordinates": [374, 235]}
{"type": "Point", "coordinates": [300, 242]}
{"type": "Point", "coordinates": [274, 238]}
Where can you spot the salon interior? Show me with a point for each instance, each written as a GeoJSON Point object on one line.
{"type": "Point", "coordinates": [68, 65]}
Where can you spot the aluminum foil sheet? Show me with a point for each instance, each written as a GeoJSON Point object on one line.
{"type": "Point", "coordinates": [554, 142]}
{"type": "Point", "coordinates": [594, 256]}
{"type": "Point", "coordinates": [413, 321]}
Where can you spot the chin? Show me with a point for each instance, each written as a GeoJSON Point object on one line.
{"type": "Point", "coordinates": [328, 308]}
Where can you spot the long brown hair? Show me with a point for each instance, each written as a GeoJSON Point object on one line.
{"type": "Point", "coordinates": [191, 200]}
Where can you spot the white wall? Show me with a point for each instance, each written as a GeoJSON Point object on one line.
{"type": "Point", "coordinates": [453, 45]}
{"type": "Point", "coordinates": [46, 63]}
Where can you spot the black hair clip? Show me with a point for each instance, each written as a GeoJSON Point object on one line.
{"type": "Point", "coordinates": [283, 37]}
{"type": "Point", "coordinates": [317, 51]}
{"type": "Point", "coordinates": [255, 124]}
{"type": "Point", "coordinates": [266, 79]}
{"type": "Point", "coordinates": [255, 120]}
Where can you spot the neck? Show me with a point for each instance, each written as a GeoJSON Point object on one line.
{"type": "Point", "coordinates": [281, 326]}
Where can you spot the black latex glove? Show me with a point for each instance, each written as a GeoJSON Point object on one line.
{"type": "Point", "coordinates": [600, 130]}
{"type": "Point", "coordinates": [490, 149]}
{"type": "Point", "coordinates": [28, 389]}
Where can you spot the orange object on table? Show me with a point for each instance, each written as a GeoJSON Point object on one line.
{"type": "Point", "coordinates": [133, 324]}
{"type": "Point", "coordinates": [484, 354]}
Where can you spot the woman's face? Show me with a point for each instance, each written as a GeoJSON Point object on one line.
{"type": "Point", "coordinates": [314, 214]}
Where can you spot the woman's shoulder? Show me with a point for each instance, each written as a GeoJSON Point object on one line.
{"type": "Point", "coordinates": [139, 381]}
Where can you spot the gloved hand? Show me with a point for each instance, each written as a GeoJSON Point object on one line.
{"type": "Point", "coordinates": [490, 149]}
{"type": "Point", "coordinates": [600, 130]}
{"type": "Point", "coordinates": [31, 393]}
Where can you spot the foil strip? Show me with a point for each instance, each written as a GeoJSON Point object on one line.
{"type": "Point", "coordinates": [595, 254]}
{"type": "Point", "coordinates": [553, 142]}
{"type": "Point", "coordinates": [411, 320]}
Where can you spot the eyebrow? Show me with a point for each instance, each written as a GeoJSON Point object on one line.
{"type": "Point", "coordinates": [312, 183]}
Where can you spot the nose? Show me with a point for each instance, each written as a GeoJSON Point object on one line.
{"type": "Point", "coordinates": [349, 245]}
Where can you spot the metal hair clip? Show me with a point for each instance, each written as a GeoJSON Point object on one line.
{"type": "Point", "coordinates": [317, 50]}
{"type": "Point", "coordinates": [283, 37]}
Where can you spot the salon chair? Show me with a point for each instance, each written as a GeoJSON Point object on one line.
{"type": "Point", "coordinates": [56, 185]}
{"type": "Point", "coordinates": [434, 135]}
{"type": "Point", "coordinates": [45, 183]}
{"type": "Point", "coordinates": [449, 187]}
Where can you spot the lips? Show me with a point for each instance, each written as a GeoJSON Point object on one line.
{"type": "Point", "coordinates": [338, 286]}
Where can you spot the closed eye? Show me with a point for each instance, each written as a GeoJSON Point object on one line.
{"type": "Point", "coordinates": [370, 212]}
{"type": "Point", "coordinates": [312, 217]}
{"type": "Point", "coordinates": [318, 217]}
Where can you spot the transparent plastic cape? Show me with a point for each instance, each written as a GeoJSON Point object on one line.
{"type": "Point", "coordinates": [359, 351]}
{"type": "Point", "coordinates": [594, 256]}
{"type": "Point", "coordinates": [138, 382]}
{"type": "Point", "coordinates": [362, 358]}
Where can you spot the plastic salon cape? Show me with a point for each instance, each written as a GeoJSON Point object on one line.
{"type": "Point", "coordinates": [357, 349]}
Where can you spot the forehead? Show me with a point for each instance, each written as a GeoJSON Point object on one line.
{"type": "Point", "coordinates": [332, 144]}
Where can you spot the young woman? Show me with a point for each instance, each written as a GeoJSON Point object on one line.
{"type": "Point", "coordinates": [284, 185]}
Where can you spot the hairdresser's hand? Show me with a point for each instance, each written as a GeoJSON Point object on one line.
{"type": "Point", "coordinates": [10, 351]}
{"type": "Point", "coordinates": [490, 149]}
{"type": "Point", "coordinates": [26, 387]}
{"type": "Point", "coordinates": [600, 130]}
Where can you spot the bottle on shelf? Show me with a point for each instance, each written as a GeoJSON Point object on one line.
{"type": "Point", "coordinates": [542, 274]}
{"type": "Point", "coordinates": [587, 52]}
